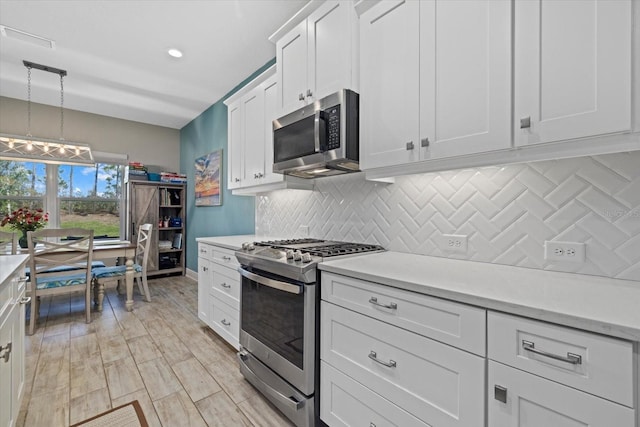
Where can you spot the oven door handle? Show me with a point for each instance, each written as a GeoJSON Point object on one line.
{"type": "Point", "coordinates": [276, 284]}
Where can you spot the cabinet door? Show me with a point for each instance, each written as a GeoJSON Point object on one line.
{"type": "Point", "coordinates": [270, 98]}
{"type": "Point", "coordinates": [6, 331]}
{"type": "Point", "coordinates": [465, 76]}
{"type": "Point", "coordinates": [329, 66]}
{"type": "Point", "coordinates": [205, 282]}
{"type": "Point", "coordinates": [291, 57]}
{"type": "Point", "coordinates": [236, 145]}
{"type": "Point", "coordinates": [17, 355]}
{"type": "Point", "coordinates": [389, 83]}
{"type": "Point", "coordinates": [531, 401]}
{"type": "Point", "coordinates": [145, 206]}
{"type": "Point", "coordinates": [572, 62]}
{"type": "Point", "coordinates": [254, 144]}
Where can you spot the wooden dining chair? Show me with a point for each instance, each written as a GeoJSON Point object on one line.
{"type": "Point", "coordinates": [117, 273]}
{"type": "Point", "coordinates": [59, 264]}
{"type": "Point", "coordinates": [8, 243]}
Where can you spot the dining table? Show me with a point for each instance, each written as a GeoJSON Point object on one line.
{"type": "Point", "coordinates": [109, 250]}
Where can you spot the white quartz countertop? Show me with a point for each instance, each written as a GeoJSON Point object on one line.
{"type": "Point", "coordinates": [229, 242]}
{"type": "Point", "coordinates": [8, 265]}
{"type": "Point", "coordinates": [597, 304]}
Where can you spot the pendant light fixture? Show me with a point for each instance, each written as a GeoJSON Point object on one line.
{"type": "Point", "coordinates": [30, 148]}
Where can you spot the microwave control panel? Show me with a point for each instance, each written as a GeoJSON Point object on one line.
{"type": "Point", "coordinates": [333, 127]}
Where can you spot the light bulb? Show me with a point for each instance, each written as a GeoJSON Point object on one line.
{"type": "Point", "coordinates": [77, 151]}
{"type": "Point", "coordinates": [10, 143]}
{"type": "Point", "coordinates": [62, 149]}
{"type": "Point", "coordinates": [46, 148]}
{"type": "Point", "coordinates": [29, 146]}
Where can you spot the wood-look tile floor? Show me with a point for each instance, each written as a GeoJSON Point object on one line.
{"type": "Point", "coordinates": [160, 354]}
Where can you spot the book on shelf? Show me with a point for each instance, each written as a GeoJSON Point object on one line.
{"type": "Point", "coordinates": [177, 241]}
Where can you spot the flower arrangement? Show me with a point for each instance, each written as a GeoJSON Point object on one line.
{"type": "Point", "coordinates": [25, 219]}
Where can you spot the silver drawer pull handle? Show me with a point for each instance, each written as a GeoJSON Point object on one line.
{"type": "Point", "coordinates": [23, 279]}
{"type": "Point", "coordinates": [391, 305]}
{"type": "Point", "coordinates": [225, 323]}
{"type": "Point", "coordinates": [374, 356]}
{"type": "Point", "coordinates": [205, 269]}
{"type": "Point", "coordinates": [574, 359]}
{"type": "Point", "coordinates": [372, 425]}
{"type": "Point", "coordinates": [25, 300]}
{"type": "Point", "coordinates": [224, 285]}
{"type": "Point", "coordinates": [226, 258]}
{"type": "Point", "coordinates": [203, 251]}
{"type": "Point", "coordinates": [7, 349]}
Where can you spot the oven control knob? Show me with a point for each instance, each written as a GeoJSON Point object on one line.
{"type": "Point", "coordinates": [297, 256]}
{"type": "Point", "coordinates": [306, 257]}
{"type": "Point", "coordinates": [250, 247]}
{"type": "Point", "coordinates": [245, 245]}
{"type": "Point", "coordinates": [289, 253]}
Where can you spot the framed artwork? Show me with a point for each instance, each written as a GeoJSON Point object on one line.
{"type": "Point", "coordinates": [207, 179]}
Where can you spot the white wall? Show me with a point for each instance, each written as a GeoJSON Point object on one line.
{"type": "Point", "coordinates": [149, 144]}
{"type": "Point", "coordinates": [507, 212]}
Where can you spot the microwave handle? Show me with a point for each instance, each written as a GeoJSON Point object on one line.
{"type": "Point", "coordinates": [316, 130]}
{"type": "Point", "coordinates": [276, 284]}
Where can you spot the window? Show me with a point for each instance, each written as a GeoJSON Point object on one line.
{"type": "Point", "coordinates": [75, 196]}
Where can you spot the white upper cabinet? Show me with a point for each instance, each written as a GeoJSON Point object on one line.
{"type": "Point", "coordinates": [435, 80]}
{"type": "Point", "coordinates": [465, 77]}
{"type": "Point", "coordinates": [318, 56]}
{"type": "Point", "coordinates": [389, 81]}
{"type": "Point", "coordinates": [572, 69]}
{"type": "Point", "coordinates": [250, 137]}
{"type": "Point", "coordinates": [235, 145]}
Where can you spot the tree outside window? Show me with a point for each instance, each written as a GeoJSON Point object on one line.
{"type": "Point", "coordinates": [87, 196]}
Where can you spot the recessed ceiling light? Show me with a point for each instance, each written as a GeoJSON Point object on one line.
{"type": "Point", "coordinates": [175, 53]}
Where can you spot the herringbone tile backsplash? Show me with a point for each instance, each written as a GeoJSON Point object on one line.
{"type": "Point", "coordinates": [507, 212]}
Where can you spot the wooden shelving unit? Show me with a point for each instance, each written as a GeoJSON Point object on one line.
{"type": "Point", "coordinates": [160, 204]}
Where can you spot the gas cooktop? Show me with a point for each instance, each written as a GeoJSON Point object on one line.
{"type": "Point", "coordinates": [297, 258]}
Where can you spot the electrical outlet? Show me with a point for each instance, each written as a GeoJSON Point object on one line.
{"type": "Point", "coordinates": [454, 243]}
{"type": "Point", "coordinates": [564, 251]}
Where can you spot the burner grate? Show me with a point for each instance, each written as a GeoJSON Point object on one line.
{"type": "Point", "coordinates": [342, 249]}
{"type": "Point", "coordinates": [289, 242]}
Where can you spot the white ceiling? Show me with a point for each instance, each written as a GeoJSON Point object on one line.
{"type": "Point", "coordinates": [115, 53]}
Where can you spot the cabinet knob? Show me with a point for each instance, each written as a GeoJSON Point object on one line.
{"type": "Point", "coordinates": [236, 179]}
{"type": "Point", "coordinates": [224, 285]}
{"type": "Point", "coordinates": [225, 322]}
{"type": "Point", "coordinates": [301, 97]}
{"type": "Point", "coordinates": [424, 142]}
{"type": "Point", "coordinates": [525, 122]}
{"type": "Point", "coordinates": [410, 146]}
{"type": "Point", "coordinates": [500, 393]}
{"type": "Point", "coordinates": [309, 93]}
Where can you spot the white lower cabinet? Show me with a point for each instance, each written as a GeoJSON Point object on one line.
{"type": "Point", "coordinates": [219, 291]}
{"type": "Point", "coordinates": [12, 355]}
{"type": "Point", "coordinates": [541, 374]}
{"type": "Point", "coordinates": [398, 376]}
{"type": "Point", "coordinates": [519, 399]}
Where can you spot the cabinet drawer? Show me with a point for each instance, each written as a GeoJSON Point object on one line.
{"type": "Point", "coordinates": [533, 401]}
{"type": "Point", "coordinates": [225, 257]}
{"type": "Point", "coordinates": [345, 402]}
{"type": "Point", "coordinates": [459, 325]}
{"type": "Point", "coordinates": [594, 363]}
{"type": "Point", "coordinates": [226, 288]}
{"type": "Point", "coordinates": [224, 321]}
{"type": "Point", "coordinates": [439, 384]}
{"type": "Point", "coordinates": [7, 294]}
{"type": "Point", "coordinates": [205, 251]}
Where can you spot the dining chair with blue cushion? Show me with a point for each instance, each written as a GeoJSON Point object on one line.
{"type": "Point", "coordinates": [117, 273]}
{"type": "Point", "coordinates": [8, 243]}
{"type": "Point", "coordinates": [59, 265]}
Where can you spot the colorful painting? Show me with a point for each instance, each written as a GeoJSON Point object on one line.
{"type": "Point", "coordinates": [207, 179]}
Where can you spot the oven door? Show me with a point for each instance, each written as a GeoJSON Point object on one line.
{"type": "Point", "coordinates": [277, 325]}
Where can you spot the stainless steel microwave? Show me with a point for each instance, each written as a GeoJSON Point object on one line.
{"type": "Point", "coordinates": [320, 139]}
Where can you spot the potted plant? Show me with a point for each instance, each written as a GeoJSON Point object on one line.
{"type": "Point", "coordinates": [25, 219]}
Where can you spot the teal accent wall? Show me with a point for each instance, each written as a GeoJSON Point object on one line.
{"type": "Point", "coordinates": [204, 134]}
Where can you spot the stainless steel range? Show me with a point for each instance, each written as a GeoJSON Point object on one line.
{"type": "Point", "coordinates": [279, 319]}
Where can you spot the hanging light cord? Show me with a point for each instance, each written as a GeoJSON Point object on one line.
{"type": "Point", "coordinates": [61, 107]}
{"type": "Point", "coordinates": [29, 101]}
